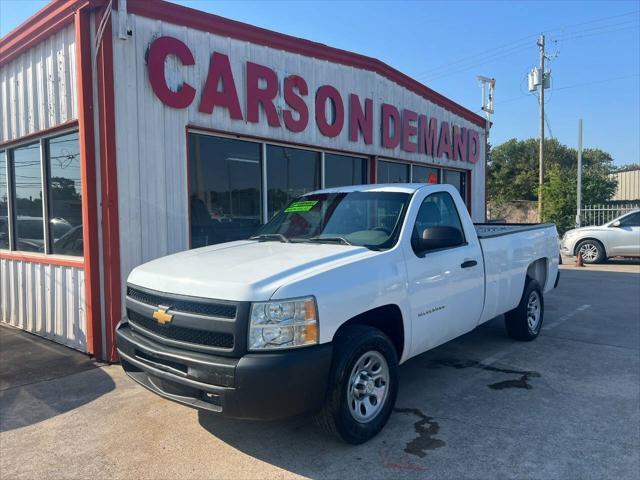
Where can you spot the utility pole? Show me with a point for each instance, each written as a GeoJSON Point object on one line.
{"type": "Point", "coordinates": [541, 155]}
{"type": "Point", "coordinates": [487, 107]}
{"type": "Point", "coordinates": [579, 196]}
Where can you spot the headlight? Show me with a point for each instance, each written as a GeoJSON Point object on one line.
{"type": "Point", "coordinates": [283, 324]}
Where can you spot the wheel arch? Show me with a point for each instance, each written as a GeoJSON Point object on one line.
{"type": "Point", "coordinates": [538, 270]}
{"type": "Point", "coordinates": [386, 318]}
{"type": "Point", "coordinates": [593, 239]}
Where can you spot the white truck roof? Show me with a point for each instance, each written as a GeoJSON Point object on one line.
{"type": "Point", "coordinates": [381, 187]}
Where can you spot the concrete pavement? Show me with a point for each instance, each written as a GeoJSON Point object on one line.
{"type": "Point", "coordinates": [483, 406]}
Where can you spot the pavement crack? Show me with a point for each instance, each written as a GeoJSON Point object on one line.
{"type": "Point", "coordinates": [426, 427]}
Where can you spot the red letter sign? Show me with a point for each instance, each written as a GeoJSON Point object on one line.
{"type": "Point", "coordinates": [296, 103]}
{"type": "Point", "coordinates": [257, 95]}
{"type": "Point", "coordinates": [474, 146]}
{"type": "Point", "coordinates": [328, 92]}
{"type": "Point", "coordinates": [444, 143]}
{"type": "Point", "coordinates": [459, 143]}
{"type": "Point", "coordinates": [390, 112]}
{"type": "Point", "coordinates": [427, 134]}
{"type": "Point", "coordinates": [409, 130]}
{"type": "Point", "coordinates": [159, 50]}
{"type": "Point", "coordinates": [359, 120]}
{"type": "Point", "coordinates": [220, 69]}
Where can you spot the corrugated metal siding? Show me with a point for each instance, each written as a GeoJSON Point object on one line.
{"type": "Point", "coordinates": [150, 138]}
{"type": "Point", "coordinates": [47, 300]}
{"type": "Point", "coordinates": [38, 89]}
{"type": "Point", "coordinates": [628, 185]}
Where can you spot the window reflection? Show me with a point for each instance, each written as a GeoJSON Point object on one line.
{"type": "Point", "coordinates": [291, 173]}
{"type": "Point", "coordinates": [65, 195]}
{"type": "Point", "coordinates": [28, 204]}
{"type": "Point", "coordinates": [224, 189]}
{"type": "Point", "coordinates": [422, 174]}
{"type": "Point", "coordinates": [340, 170]}
{"type": "Point", "coordinates": [392, 172]}
{"type": "Point", "coordinates": [458, 180]}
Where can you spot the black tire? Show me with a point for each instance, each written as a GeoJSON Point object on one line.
{"type": "Point", "coordinates": [517, 320]}
{"type": "Point", "coordinates": [349, 347]}
{"type": "Point", "coordinates": [594, 247]}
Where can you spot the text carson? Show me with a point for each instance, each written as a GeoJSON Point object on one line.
{"type": "Point", "coordinates": [408, 130]}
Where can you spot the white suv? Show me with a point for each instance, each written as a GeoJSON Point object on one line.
{"type": "Point", "coordinates": [618, 238]}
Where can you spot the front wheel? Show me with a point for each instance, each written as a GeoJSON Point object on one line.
{"type": "Point", "coordinates": [591, 251]}
{"type": "Point", "coordinates": [363, 385]}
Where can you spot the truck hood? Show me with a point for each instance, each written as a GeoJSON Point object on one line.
{"type": "Point", "coordinates": [243, 270]}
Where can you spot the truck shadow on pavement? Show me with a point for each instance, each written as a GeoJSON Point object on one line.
{"type": "Point", "coordinates": [40, 379]}
{"type": "Point", "coordinates": [413, 434]}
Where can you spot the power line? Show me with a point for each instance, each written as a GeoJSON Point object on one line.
{"type": "Point", "coordinates": [584, 84]}
{"type": "Point", "coordinates": [505, 50]}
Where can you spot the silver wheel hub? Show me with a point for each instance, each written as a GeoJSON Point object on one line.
{"type": "Point", "coordinates": [589, 252]}
{"type": "Point", "coordinates": [368, 386]}
{"type": "Point", "coordinates": [534, 308]}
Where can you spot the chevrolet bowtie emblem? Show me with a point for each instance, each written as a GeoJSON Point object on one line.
{"type": "Point", "coordinates": [161, 316]}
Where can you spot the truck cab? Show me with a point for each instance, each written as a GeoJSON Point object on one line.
{"type": "Point", "coordinates": [314, 313]}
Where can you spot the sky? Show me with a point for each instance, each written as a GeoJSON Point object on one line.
{"type": "Point", "coordinates": [594, 50]}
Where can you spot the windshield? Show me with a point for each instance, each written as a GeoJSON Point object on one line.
{"type": "Point", "coordinates": [368, 219]}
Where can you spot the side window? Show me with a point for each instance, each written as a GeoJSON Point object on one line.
{"type": "Point", "coordinates": [631, 221]}
{"type": "Point", "coordinates": [437, 225]}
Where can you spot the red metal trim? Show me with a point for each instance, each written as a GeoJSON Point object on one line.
{"type": "Point", "coordinates": [42, 133]}
{"type": "Point", "coordinates": [373, 169]}
{"type": "Point", "coordinates": [47, 21]}
{"type": "Point", "coordinates": [42, 258]}
{"type": "Point", "coordinates": [188, 17]}
{"type": "Point", "coordinates": [186, 137]}
{"type": "Point", "coordinates": [86, 135]}
{"type": "Point", "coordinates": [109, 181]}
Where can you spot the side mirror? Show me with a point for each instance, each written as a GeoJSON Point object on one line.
{"type": "Point", "coordinates": [435, 238]}
{"type": "Point", "coordinates": [616, 223]}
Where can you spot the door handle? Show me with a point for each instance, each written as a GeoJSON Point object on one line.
{"type": "Point", "coordinates": [469, 263]}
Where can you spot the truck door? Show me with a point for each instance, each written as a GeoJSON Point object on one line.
{"type": "Point", "coordinates": [446, 278]}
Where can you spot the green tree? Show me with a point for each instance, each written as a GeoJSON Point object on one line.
{"type": "Point", "coordinates": [513, 175]}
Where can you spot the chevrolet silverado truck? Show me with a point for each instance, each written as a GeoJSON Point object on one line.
{"type": "Point", "coordinates": [315, 312]}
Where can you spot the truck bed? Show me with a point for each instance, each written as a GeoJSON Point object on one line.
{"type": "Point", "coordinates": [508, 250]}
{"type": "Point", "coordinates": [488, 230]}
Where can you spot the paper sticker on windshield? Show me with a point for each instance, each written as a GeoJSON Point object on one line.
{"type": "Point", "coordinates": [304, 206]}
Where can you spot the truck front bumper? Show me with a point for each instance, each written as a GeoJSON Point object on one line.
{"type": "Point", "coordinates": [266, 386]}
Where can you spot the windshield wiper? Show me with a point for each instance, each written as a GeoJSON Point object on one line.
{"type": "Point", "coordinates": [271, 236]}
{"type": "Point", "coordinates": [335, 239]}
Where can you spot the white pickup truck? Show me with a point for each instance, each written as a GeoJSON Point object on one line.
{"type": "Point", "coordinates": [317, 310]}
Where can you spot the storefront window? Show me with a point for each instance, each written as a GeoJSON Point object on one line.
{"type": "Point", "coordinates": [65, 195]}
{"type": "Point", "coordinates": [420, 174]}
{"type": "Point", "coordinates": [224, 189]}
{"type": "Point", "coordinates": [340, 170]}
{"type": "Point", "coordinates": [4, 202]}
{"type": "Point", "coordinates": [291, 172]}
{"type": "Point", "coordinates": [393, 172]}
{"type": "Point", "coordinates": [458, 180]}
{"type": "Point", "coordinates": [28, 198]}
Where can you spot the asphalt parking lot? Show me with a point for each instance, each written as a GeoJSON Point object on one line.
{"type": "Point", "coordinates": [482, 406]}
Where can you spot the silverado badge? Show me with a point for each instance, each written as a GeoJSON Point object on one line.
{"type": "Point", "coordinates": [161, 315]}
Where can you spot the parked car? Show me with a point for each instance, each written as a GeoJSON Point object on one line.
{"type": "Point", "coordinates": [618, 238]}
{"type": "Point", "coordinates": [315, 312]}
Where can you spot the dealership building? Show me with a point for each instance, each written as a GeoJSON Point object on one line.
{"type": "Point", "coordinates": [134, 129]}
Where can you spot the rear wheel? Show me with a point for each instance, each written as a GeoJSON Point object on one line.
{"type": "Point", "coordinates": [363, 385]}
{"type": "Point", "coordinates": [591, 251]}
{"type": "Point", "coordinates": [525, 321]}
